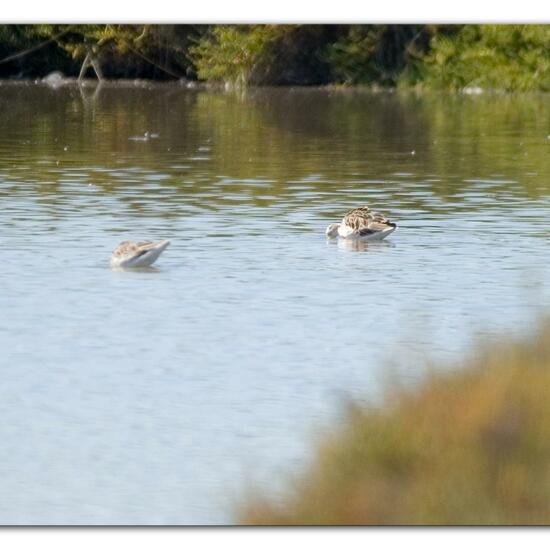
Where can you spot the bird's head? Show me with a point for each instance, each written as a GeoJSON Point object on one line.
{"type": "Point", "coordinates": [332, 230]}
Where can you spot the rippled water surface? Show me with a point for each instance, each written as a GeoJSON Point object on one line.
{"type": "Point", "coordinates": [160, 397]}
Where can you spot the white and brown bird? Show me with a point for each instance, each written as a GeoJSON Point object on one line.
{"type": "Point", "coordinates": [140, 254]}
{"type": "Point", "coordinates": [362, 224]}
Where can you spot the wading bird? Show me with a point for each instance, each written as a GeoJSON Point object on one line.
{"type": "Point", "coordinates": [141, 254]}
{"type": "Point", "coordinates": [362, 224]}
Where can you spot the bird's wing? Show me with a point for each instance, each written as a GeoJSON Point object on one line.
{"type": "Point", "coordinates": [129, 249]}
{"type": "Point", "coordinates": [357, 218]}
{"type": "Point", "coordinates": [362, 221]}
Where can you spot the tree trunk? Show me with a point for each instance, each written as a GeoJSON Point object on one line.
{"type": "Point", "coordinates": [92, 60]}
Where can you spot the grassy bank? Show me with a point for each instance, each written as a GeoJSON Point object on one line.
{"type": "Point", "coordinates": [448, 57]}
{"type": "Point", "coordinates": [471, 446]}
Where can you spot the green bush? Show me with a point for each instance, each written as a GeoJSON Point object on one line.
{"type": "Point", "coordinates": [501, 57]}
{"type": "Point", "coordinates": [240, 55]}
{"type": "Point", "coordinates": [232, 54]}
{"type": "Point", "coordinates": [368, 54]}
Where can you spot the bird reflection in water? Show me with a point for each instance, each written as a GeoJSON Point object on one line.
{"type": "Point", "coordinates": [361, 246]}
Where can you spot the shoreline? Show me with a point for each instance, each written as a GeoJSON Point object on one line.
{"type": "Point", "coordinates": [195, 85]}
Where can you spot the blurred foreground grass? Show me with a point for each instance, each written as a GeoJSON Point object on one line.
{"type": "Point", "coordinates": [467, 446]}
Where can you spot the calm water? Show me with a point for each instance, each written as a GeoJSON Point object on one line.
{"type": "Point", "coordinates": [160, 397]}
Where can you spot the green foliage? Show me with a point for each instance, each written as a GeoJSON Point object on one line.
{"type": "Point", "coordinates": [452, 57]}
{"type": "Point", "coordinates": [236, 55]}
{"type": "Point", "coordinates": [503, 57]}
{"type": "Point", "coordinates": [154, 51]}
{"type": "Point", "coordinates": [368, 54]}
{"type": "Point", "coordinates": [132, 50]}
{"type": "Point", "coordinates": [306, 54]}
{"type": "Point", "coordinates": [467, 447]}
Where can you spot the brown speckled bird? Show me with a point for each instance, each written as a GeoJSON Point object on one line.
{"type": "Point", "coordinates": [140, 254]}
{"type": "Point", "coordinates": [363, 224]}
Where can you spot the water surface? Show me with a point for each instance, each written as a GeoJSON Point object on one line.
{"type": "Point", "coordinates": [159, 397]}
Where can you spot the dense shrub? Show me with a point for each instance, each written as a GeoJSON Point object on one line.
{"type": "Point", "coordinates": [264, 54]}
{"type": "Point", "coordinates": [504, 57]}
{"type": "Point", "coordinates": [367, 54]}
